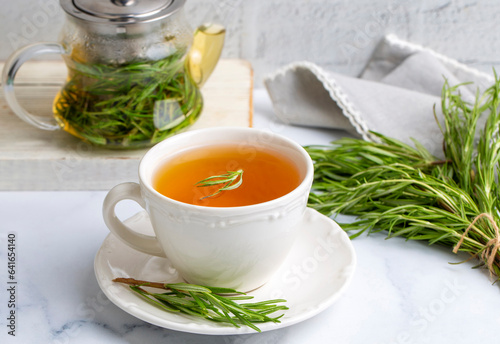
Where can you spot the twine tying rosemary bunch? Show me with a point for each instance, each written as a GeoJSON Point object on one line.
{"type": "Point", "coordinates": [490, 248]}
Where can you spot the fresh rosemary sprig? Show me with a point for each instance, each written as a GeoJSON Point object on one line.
{"type": "Point", "coordinates": [407, 192]}
{"type": "Point", "coordinates": [230, 181]}
{"type": "Point", "coordinates": [128, 106]}
{"type": "Point", "coordinates": [208, 302]}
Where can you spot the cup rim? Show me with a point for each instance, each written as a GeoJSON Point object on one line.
{"type": "Point", "coordinates": [304, 184]}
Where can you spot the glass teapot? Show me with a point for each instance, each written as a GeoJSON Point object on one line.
{"type": "Point", "coordinates": [134, 71]}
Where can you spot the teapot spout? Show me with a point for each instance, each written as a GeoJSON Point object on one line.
{"type": "Point", "coordinates": [205, 53]}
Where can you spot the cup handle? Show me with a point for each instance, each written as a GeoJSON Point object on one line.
{"type": "Point", "coordinates": [141, 242]}
{"type": "Point", "coordinates": [10, 69]}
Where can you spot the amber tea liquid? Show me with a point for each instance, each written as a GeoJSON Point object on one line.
{"type": "Point", "coordinates": [267, 175]}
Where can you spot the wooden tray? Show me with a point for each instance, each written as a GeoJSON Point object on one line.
{"type": "Point", "coordinates": [35, 159]}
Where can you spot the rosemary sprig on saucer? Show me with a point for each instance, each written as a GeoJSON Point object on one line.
{"type": "Point", "coordinates": [207, 302]}
{"type": "Point", "coordinates": [230, 181]}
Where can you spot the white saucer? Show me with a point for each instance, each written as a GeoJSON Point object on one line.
{"type": "Point", "coordinates": [317, 271]}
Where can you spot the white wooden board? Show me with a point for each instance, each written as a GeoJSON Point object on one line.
{"type": "Point", "coordinates": [35, 159]}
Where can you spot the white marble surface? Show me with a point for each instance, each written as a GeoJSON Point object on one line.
{"type": "Point", "coordinates": [402, 292]}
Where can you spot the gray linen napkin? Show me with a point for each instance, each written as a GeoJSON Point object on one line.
{"type": "Point", "coordinates": [394, 95]}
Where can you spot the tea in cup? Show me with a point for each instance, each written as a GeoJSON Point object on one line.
{"type": "Point", "coordinates": [234, 231]}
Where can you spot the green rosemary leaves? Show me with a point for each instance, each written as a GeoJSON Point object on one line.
{"type": "Point", "coordinates": [208, 302]}
{"type": "Point", "coordinates": [229, 181]}
{"type": "Point", "coordinates": [405, 191]}
{"type": "Point", "coordinates": [128, 106]}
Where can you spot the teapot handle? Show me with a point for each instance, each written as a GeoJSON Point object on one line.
{"type": "Point", "coordinates": [10, 69]}
{"type": "Point", "coordinates": [205, 52]}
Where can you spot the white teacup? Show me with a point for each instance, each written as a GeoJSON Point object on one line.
{"type": "Point", "coordinates": [233, 247]}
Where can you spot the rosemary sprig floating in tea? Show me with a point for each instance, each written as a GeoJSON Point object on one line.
{"type": "Point", "coordinates": [130, 105]}
{"type": "Point", "coordinates": [407, 192]}
{"type": "Point", "coordinates": [230, 180]}
{"type": "Point", "coordinates": [208, 302]}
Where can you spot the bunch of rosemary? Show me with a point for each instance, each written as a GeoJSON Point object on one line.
{"type": "Point", "coordinates": [127, 106]}
{"type": "Point", "coordinates": [404, 190]}
{"type": "Point", "coordinates": [207, 302]}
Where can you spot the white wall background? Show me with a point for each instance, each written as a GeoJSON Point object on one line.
{"type": "Point", "coordinates": [337, 34]}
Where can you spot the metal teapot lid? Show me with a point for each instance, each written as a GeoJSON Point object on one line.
{"type": "Point", "coordinates": [121, 11]}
